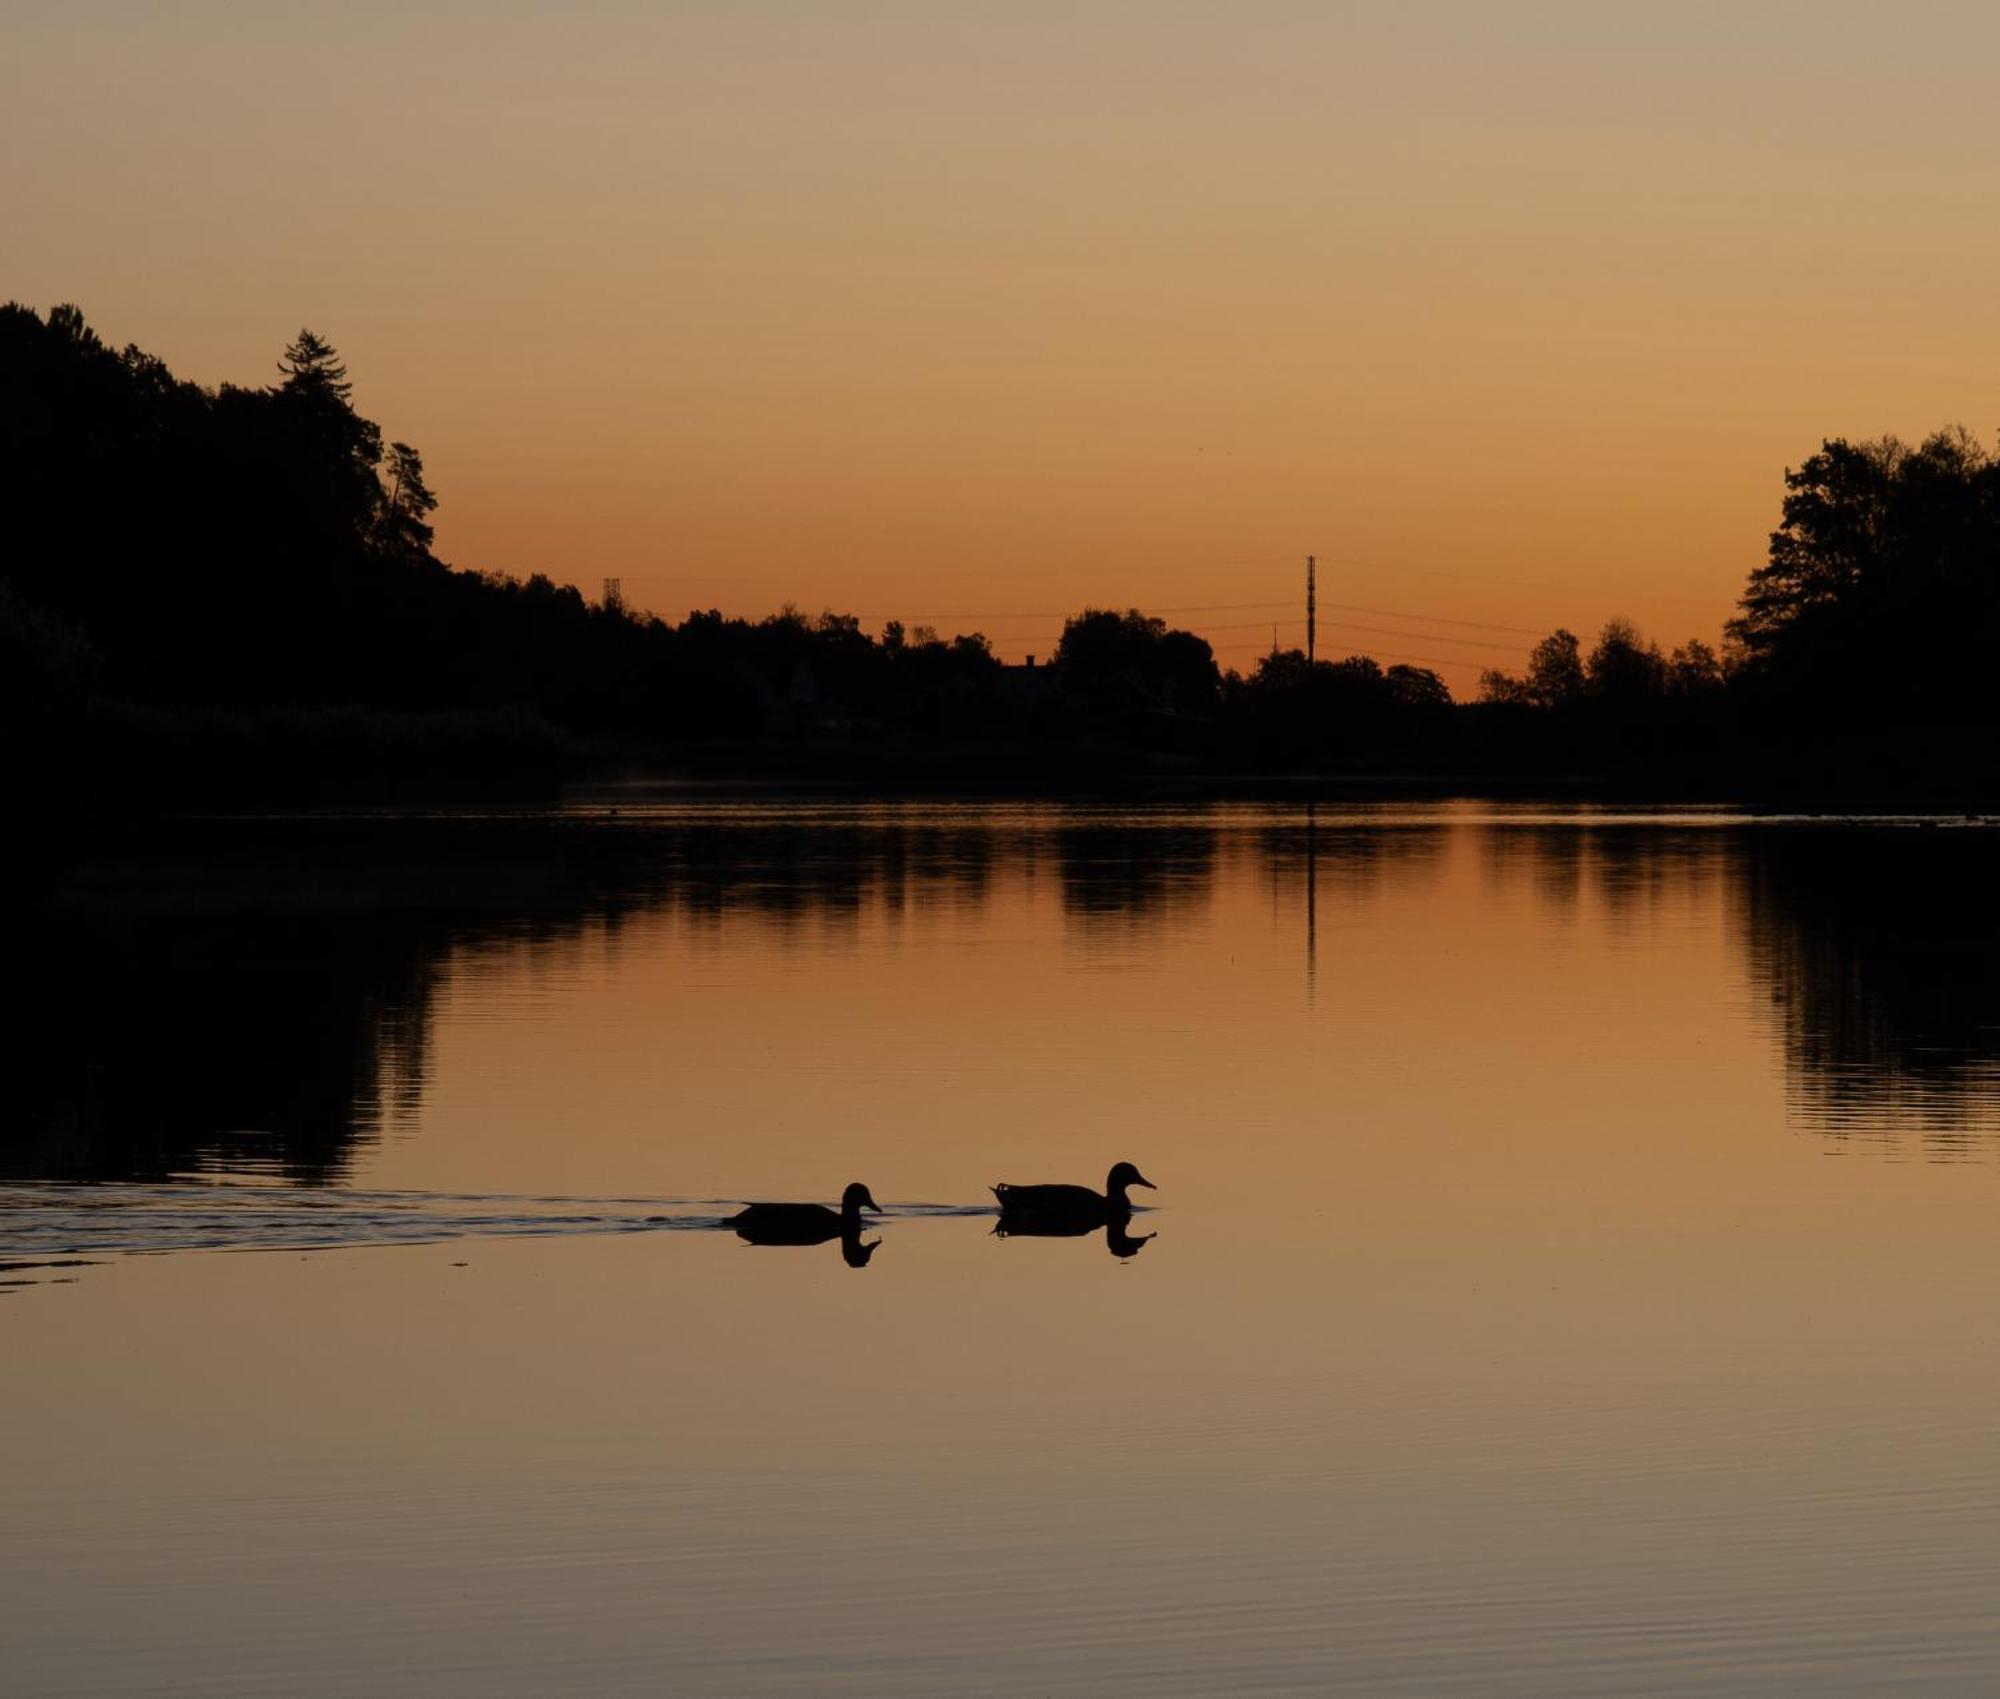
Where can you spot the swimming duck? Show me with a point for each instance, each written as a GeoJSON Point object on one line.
{"type": "Point", "coordinates": [1075, 1203]}
{"type": "Point", "coordinates": [804, 1223]}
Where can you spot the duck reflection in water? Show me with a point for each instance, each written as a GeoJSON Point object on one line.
{"type": "Point", "coordinates": [812, 1224]}
{"type": "Point", "coordinates": [1120, 1243]}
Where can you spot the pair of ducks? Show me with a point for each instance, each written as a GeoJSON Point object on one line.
{"type": "Point", "coordinates": [1027, 1208]}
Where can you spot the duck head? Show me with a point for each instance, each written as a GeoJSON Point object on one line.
{"type": "Point", "coordinates": [1126, 1175]}
{"type": "Point", "coordinates": [857, 1198]}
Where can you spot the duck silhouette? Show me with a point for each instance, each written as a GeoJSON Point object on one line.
{"type": "Point", "coordinates": [808, 1223]}
{"type": "Point", "coordinates": [1054, 1207]}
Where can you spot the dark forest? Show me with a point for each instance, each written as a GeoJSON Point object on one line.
{"type": "Point", "coordinates": [230, 596]}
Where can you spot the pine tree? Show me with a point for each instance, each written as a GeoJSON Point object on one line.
{"type": "Point", "coordinates": [402, 527]}
{"type": "Point", "coordinates": [313, 367]}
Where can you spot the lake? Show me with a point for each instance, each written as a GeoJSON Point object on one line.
{"type": "Point", "coordinates": [1573, 1268]}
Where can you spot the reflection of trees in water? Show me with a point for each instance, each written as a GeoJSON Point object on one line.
{"type": "Point", "coordinates": [1133, 877]}
{"type": "Point", "coordinates": [1876, 951]}
{"type": "Point", "coordinates": [1629, 871]}
{"type": "Point", "coordinates": [173, 1039]}
{"type": "Point", "coordinates": [1548, 858]}
{"type": "Point", "coordinates": [1345, 861]}
{"type": "Point", "coordinates": [790, 872]}
{"type": "Point", "coordinates": [267, 1011]}
{"type": "Point", "coordinates": [940, 866]}
{"type": "Point", "coordinates": [1637, 873]}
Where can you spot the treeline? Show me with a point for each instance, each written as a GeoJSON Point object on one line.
{"type": "Point", "coordinates": [232, 594]}
{"type": "Point", "coordinates": [1860, 663]}
{"type": "Point", "coordinates": [235, 591]}
{"type": "Point", "coordinates": [1623, 711]}
{"type": "Point", "coordinates": [226, 572]}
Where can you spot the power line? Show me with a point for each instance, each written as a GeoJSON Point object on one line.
{"type": "Point", "coordinates": [1070, 613]}
{"type": "Point", "coordinates": [1372, 654]}
{"type": "Point", "coordinates": [1431, 637]}
{"type": "Point", "coordinates": [1376, 631]}
{"type": "Point", "coordinates": [1250, 624]}
{"type": "Point", "coordinates": [995, 617]}
{"type": "Point", "coordinates": [1436, 619]}
{"type": "Point", "coordinates": [1524, 583]}
{"type": "Point", "coordinates": [1247, 607]}
{"type": "Point", "coordinates": [1545, 584]}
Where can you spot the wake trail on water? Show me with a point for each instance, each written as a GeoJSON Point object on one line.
{"type": "Point", "coordinates": [54, 1221]}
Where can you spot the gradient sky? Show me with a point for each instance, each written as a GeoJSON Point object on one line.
{"type": "Point", "coordinates": [1511, 314]}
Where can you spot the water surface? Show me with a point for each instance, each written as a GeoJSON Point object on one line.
{"type": "Point", "coordinates": [1573, 1269]}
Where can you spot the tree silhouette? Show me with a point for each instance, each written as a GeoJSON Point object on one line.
{"type": "Point", "coordinates": [1133, 662]}
{"type": "Point", "coordinates": [402, 528]}
{"type": "Point", "coordinates": [1881, 592]}
{"type": "Point", "coordinates": [1555, 676]}
{"type": "Point", "coordinates": [313, 368]}
{"type": "Point", "coordinates": [1624, 670]}
{"type": "Point", "coordinates": [1695, 672]}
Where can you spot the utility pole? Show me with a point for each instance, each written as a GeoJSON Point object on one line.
{"type": "Point", "coordinates": [1312, 606]}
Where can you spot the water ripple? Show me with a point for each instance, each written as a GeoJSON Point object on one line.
{"type": "Point", "coordinates": [64, 1221]}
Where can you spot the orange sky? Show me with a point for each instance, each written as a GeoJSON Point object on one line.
{"type": "Point", "coordinates": [985, 314]}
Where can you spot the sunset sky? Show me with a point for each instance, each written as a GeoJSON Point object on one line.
{"type": "Point", "coordinates": [1513, 314]}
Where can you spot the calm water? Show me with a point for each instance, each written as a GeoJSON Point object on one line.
{"type": "Point", "coordinates": [1575, 1268]}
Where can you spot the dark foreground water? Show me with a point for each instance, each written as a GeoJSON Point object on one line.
{"type": "Point", "coordinates": [1575, 1268]}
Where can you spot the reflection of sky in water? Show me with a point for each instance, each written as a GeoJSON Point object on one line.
{"type": "Point", "coordinates": [1504, 1327]}
{"type": "Point", "coordinates": [274, 1015]}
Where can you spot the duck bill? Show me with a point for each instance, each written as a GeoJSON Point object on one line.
{"type": "Point", "coordinates": [1148, 1184]}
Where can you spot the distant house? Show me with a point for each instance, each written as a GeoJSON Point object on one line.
{"type": "Point", "coordinates": [1028, 685]}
